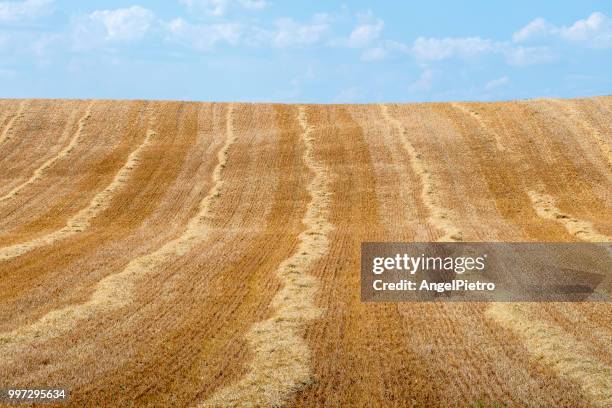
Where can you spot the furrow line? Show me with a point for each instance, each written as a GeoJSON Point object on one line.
{"type": "Point", "coordinates": [438, 215]}
{"type": "Point", "coordinates": [572, 113]}
{"type": "Point", "coordinates": [8, 130]}
{"type": "Point", "coordinates": [554, 347]}
{"type": "Point", "coordinates": [38, 173]}
{"type": "Point", "coordinates": [82, 220]}
{"type": "Point", "coordinates": [548, 342]}
{"type": "Point", "coordinates": [482, 123]}
{"type": "Point", "coordinates": [281, 362]}
{"type": "Point", "coordinates": [545, 207]}
{"type": "Point", "coordinates": [116, 290]}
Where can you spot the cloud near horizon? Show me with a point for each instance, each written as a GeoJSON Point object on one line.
{"type": "Point", "coordinates": [214, 27]}
{"type": "Point", "coordinates": [11, 11]}
{"type": "Point", "coordinates": [133, 23]}
{"type": "Point", "coordinates": [595, 31]}
{"type": "Point", "coordinates": [219, 8]}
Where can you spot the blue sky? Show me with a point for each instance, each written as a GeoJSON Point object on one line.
{"type": "Point", "coordinates": [305, 51]}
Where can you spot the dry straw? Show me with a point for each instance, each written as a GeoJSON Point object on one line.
{"type": "Point", "coordinates": [281, 362]}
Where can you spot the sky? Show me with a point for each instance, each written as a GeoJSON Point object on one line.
{"type": "Point", "coordinates": [305, 51]}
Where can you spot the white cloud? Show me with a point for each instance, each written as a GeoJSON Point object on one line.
{"type": "Point", "coordinates": [367, 31]}
{"type": "Point", "coordinates": [204, 37]}
{"type": "Point", "coordinates": [221, 7]}
{"type": "Point", "coordinates": [24, 10]}
{"type": "Point", "coordinates": [437, 49]}
{"type": "Point", "coordinates": [497, 83]}
{"type": "Point", "coordinates": [254, 4]}
{"type": "Point", "coordinates": [287, 33]}
{"type": "Point", "coordinates": [524, 56]}
{"type": "Point", "coordinates": [290, 32]}
{"type": "Point", "coordinates": [424, 82]}
{"type": "Point", "coordinates": [113, 26]}
{"type": "Point", "coordinates": [467, 48]}
{"type": "Point", "coordinates": [374, 54]}
{"type": "Point", "coordinates": [537, 27]}
{"type": "Point", "coordinates": [595, 31]}
{"type": "Point", "coordinates": [365, 34]}
{"type": "Point", "coordinates": [385, 49]}
{"type": "Point", "coordinates": [212, 7]}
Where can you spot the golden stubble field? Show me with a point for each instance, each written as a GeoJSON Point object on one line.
{"type": "Point", "coordinates": [198, 254]}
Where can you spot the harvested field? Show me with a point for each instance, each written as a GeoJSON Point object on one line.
{"type": "Point", "coordinates": [204, 254]}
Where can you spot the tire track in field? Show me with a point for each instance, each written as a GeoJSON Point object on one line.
{"type": "Point", "coordinates": [281, 364]}
{"type": "Point", "coordinates": [82, 220]}
{"type": "Point", "coordinates": [438, 215]}
{"type": "Point", "coordinates": [570, 110]}
{"type": "Point", "coordinates": [116, 290]}
{"type": "Point", "coordinates": [39, 172]}
{"type": "Point", "coordinates": [8, 130]}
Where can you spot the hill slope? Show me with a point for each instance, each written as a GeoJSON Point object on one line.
{"type": "Point", "coordinates": [166, 253]}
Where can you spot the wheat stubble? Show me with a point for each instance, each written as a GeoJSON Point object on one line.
{"type": "Point", "coordinates": [38, 173]}
{"type": "Point", "coordinates": [545, 341]}
{"type": "Point", "coordinates": [281, 363]}
{"type": "Point", "coordinates": [171, 294]}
